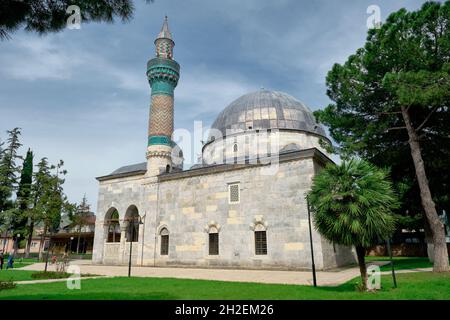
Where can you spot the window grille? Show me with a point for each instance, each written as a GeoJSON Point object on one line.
{"type": "Point", "coordinates": [165, 245]}
{"type": "Point", "coordinates": [213, 244]}
{"type": "Point", "coordinates": [260, 242]}
{"type": "Point", "coordinates": [234, 196]}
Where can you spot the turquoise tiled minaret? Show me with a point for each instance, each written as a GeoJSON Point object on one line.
{"type": "Point", "coordinates": [163, 73]}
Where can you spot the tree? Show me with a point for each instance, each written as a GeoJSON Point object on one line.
{"type": "Point", "coordinates": [352, 205]}
{"type": "Point", "coordinates": [39, 190]}
{"type": "Point", "coordinates": [43, 16]}
{"type": "Point", "coordinates": [391, 103]}
{"type": "Point", "coordinates": [19, 216]}
{"type": "Point", "coordinates": [80, 217]}
{"type": "Point", "coordinates": [49, 198]}
{"type": "Point", "coordinates": [9, 169]}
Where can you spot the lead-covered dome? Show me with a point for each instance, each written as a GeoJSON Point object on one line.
{"type": "Point", "coordinates": [265, 109]}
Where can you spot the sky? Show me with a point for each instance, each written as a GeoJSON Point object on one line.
{"type": "Point", "coordinates": [81, 95]}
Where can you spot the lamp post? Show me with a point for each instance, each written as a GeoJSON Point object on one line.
{"type": "Point", "coordinates": [311, 242]}
{"type": "Point", "coordinates": [70, 245]}
{"type": "Point", "coordinates": [132, 220]}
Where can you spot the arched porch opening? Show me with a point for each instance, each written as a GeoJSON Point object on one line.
{"type": "Point", "coordinates": [132, 220]}
{"type": "Point", "coordinates": [112, 225]}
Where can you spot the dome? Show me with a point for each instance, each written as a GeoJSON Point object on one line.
{"type": "Point", "coordinates": [265, 109]}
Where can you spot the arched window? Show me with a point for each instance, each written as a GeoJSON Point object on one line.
{"type": "Point", "coordinates": [167, 168]}
{"type": "Point", "coordinates": [213, 241]}
{"type": "Point", "coordinates": [132, 220]}
{"type": "Point", "coordinates": [164, 233]}
{"type": "Point", "coordinates": [235, 147]}
{"type": "Point", "coordinates": [260, 240]}
{"type": "Point", "coordinates": [112, 223]}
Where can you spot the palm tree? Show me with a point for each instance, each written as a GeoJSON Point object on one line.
{"type": "Point", "coordinates": [352, 205]}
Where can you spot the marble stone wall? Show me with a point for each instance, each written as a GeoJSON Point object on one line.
{"type": "Point", "coordinates": [190, 205]}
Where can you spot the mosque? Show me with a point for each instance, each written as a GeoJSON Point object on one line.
{"type": "Point", "coordinates": [242, 206]}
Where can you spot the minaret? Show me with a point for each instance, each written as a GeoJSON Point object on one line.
{"type": "Point", "coordinates": [163, 73]}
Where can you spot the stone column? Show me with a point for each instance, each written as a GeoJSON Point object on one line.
{"type": "Point", "coordinates": [123, 232]}
{"type": "Point", "coordinates": [98, 250]}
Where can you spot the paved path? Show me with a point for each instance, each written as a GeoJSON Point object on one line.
{"type": "Point", "coordinates": [328, 278]}
{"type": "Point", "coordinates": [56, 280]}
{"type": "Point", "coordinates": [324, 278]}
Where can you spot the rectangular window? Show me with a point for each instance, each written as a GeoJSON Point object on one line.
{"type": "Point", "coordinates": [233, 191]}
{"type": "Point", "coordinates": [260, 243]}
{"type": "Point", "coordinates": [213, 244]}
{"type": "Point", "coordinates": [165, 245]}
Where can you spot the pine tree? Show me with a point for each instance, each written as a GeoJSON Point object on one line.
{"type": "Point", "coordinates": [9, 169]}
{"type": "Point", "coordinates": [38, 193]}
{"type": "Point", "coordinates": [8, 179]}
{"type": "Point", "coordinates": [390, 107]}
{"type": "Point", "coordinates": [48, 195]}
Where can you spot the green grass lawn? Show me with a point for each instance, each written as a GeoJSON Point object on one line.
{"type": "Point", "coordinates": [23, 275]}
{"type": "Point", "coordinates": [15, 275]}
{"type": "Point", "coordinates": [418, 285]}
{"type": "Point", "coordinates": [22, 262]}
{"type": "Point", "coordinates": [402, 263]}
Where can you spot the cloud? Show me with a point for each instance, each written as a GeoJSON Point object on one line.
{"type": "Point", "coordinates": [206, 90]}
{"type": "Point", "coordinates": [52, 58]}
{"type": "Point", "coordinates": [36, 59]}
{"type": "Point", "coordinates": [82, 95]}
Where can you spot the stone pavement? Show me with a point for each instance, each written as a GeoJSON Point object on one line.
{"type": "Point", "coordinates": [324, 278]}
{"type": "Point", "coordinates": [56, 280]}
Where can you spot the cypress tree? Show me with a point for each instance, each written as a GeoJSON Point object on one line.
{"type": "Point", "coordinates": [20, 218]}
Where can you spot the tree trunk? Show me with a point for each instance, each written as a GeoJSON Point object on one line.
{"type": "Point", "coordinates": [436, 225]}
{"type": "Point", "coordinates": [30, 239]}
{"type": "Point", "coordinates": [5, 240]}
{"type": "Point", "coordinates": [429, 240]}
{"type": "Point", "coordinates": [361, 254]}
{"type": "Point", "coordinates": [15, 246]}
{"type": "Point", "coordinates": [41, 245]}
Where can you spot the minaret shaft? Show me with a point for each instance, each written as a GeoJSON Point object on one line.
{"type": "Point", "coordinates": [163, 75]}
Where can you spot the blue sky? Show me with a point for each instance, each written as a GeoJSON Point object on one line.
{"type": "Point", "coordinates": [82, 95]}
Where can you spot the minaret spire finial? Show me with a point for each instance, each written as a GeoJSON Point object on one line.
{"type": "Point", "coordinates": [165, 32]}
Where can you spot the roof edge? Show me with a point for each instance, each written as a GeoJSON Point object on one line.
{"type": "Point", "coordinates": [121, 175]}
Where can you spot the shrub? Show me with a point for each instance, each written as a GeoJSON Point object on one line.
{"type": "Point", "coordinates": [5, 285]}
{"type": "Point", "coordinates": [50, 275]}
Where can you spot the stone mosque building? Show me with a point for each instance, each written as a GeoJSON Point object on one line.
{"type": "Point", "coordinates": [242, 206]}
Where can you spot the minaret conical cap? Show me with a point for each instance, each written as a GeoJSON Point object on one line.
{"type": "Point", "coordinates": [165, 32]}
